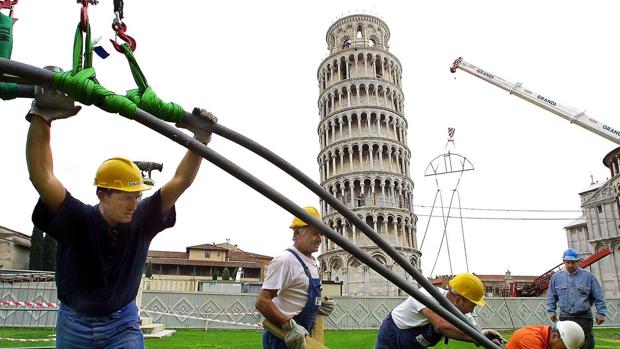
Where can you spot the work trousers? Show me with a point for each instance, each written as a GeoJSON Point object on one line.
{"type": "Point", "coordinates": [119, 330]}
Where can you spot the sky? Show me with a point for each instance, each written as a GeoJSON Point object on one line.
{"type": "Point", "coordinates": [254, 65]}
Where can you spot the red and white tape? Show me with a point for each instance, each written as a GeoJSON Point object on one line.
{"type": "Point", "coordinates": [233, 314]}
{"type": "Point", "coordinates": [35, 304]}
{"type": "Point", "coordinates": [256, 325]}
{"type": "Point", "coordinates": [51, 339]}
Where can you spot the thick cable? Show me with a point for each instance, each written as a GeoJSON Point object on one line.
{"type": "Point", "coordinates": [457, 319]}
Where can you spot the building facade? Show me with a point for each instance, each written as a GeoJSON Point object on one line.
{"type": "Point", "coordinates": [599, 227]}
{"type": "Point", "coordinates": [364, 157]}
{"type": "Point", "coordinates": [201, 266]}
{"type": "Point", "coordinates": [14, 249]}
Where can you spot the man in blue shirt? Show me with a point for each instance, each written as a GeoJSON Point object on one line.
{"type": "Point", "coordinates": [102, 249]}
{"type": "Point", "coordinates": [574, 290]}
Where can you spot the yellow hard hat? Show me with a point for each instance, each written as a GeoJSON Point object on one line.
{"type": "Point", "coordinates": [469, 286]}
{"type": "Point", "coordinates": [120, 174]}
{"type": "Point", "coordinates": [298, 223]}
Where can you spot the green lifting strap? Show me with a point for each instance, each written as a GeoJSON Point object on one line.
{"type": "Point", "coordinates": [82, 50]}
{"type": "Point", "coordinates": [6, 36]}
{"type": "Point", "coordinates": [7, 90]}
{"type": "Point", "coordinates": [144, 96]}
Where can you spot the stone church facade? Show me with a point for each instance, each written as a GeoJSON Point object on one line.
{"type": "Point", "coordinates": [599, 227]}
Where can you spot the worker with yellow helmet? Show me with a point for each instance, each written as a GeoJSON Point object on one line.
{"type": "Point", "coordinates": [412, 325]}
{"type": "Point", "coordinates": [102, 249]}
{"type": "Point", "coordinates": [291, 293]}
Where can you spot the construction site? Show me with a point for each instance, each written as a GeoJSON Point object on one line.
{"type": "Point", "coordinates": [403, 166]}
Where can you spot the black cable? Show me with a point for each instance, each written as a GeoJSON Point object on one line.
{"type": "Point", "coordinates": [446, 310]}
{"type": "Point", "coordinates": [511, 218]}
{"type": "Point", "coordinates": [118, 8]}
{"type": "Point", "coordinates": [505, 209]}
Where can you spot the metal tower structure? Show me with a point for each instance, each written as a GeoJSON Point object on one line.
{"type": "Point", "coordinates": [364, 158]}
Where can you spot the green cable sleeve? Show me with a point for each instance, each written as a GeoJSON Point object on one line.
{"type": "Point", "coordinates": [6, 36]}
{"type": "Point", "coordinates": [83, 88]}
{"type": "Point", "coordinates": [8, 91]}
{"type": "Point", "coordinates": [149, 102]}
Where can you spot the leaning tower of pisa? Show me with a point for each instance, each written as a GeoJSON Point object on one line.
{"type": "Point", "coordinates": [364, 158]}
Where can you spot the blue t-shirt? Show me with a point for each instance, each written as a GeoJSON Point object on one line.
{"type": "Point", "coordinates": [99, 268]}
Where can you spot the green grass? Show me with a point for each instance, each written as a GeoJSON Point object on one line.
{"type": "Point", "coordinates": [608, 338]}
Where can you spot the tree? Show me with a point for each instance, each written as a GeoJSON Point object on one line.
{"type": "Point", "coordinates": [148, 272]}
{"type": "Point", "coordinates": [226, 274]}
{"type": "Point", "coordinates": [36, 249]}
{"type": "Point", "coordinates": [49, 253]}
{"type": "Point", "coordinates": [215, 274]}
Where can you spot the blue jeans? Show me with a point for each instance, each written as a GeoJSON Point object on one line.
{"type": "Point", "coordinates": [119, 330]}
{"type": "Point", "coordinates": [391, 337]}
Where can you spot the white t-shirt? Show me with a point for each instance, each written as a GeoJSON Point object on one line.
{"type": "Point", "coordinates": [408, 313]}
{"type": "Point", "coordinates": [286, 275]}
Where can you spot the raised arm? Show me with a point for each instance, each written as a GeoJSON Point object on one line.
{"type": "Point", "coordinates": [183, 178]}
{"type": "Point", "coordinates": [40, 164]}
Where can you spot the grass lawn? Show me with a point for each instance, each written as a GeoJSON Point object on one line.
{"type": "Point", "coordinates": [608, 338]}
{"type": "Point", "coordinates": [605, 339]}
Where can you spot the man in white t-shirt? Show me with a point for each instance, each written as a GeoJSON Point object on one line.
{"type": "Point", "coordinates": [291, 293]}
{"type": "Point", "coordinates": [412, 325]}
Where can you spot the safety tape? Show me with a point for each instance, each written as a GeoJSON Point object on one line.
{"type": "Point", "coordinates": [256, 325]}
{"type": "Point", "coordinates": [28, 339]}
{"type": "Point", "coordinates": [35, 304]}
{"type": "Point", "coordinates": [233, 314]}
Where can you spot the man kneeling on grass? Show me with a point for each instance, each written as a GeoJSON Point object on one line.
{"type": "Point", "coordinates": [412, 325]}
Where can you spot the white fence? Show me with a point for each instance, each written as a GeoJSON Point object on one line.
{"type": "Point", "coordinates": [31, 302]}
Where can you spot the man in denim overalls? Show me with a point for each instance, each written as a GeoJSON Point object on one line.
{"type": "Point", "coordinates": [291, 293]}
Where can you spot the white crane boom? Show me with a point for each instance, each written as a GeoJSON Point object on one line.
{"type": "Point", "coordinates": [568, 113]}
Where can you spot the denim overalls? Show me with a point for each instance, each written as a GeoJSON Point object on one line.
{"type": "Point", "coordinates": [307, 316]}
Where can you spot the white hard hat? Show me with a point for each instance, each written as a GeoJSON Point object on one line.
{"type": "Point", "coordinates": [571, 333]}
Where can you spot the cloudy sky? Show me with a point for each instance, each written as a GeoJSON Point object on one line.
{"type": "Point", "coordinates": [254, 65]}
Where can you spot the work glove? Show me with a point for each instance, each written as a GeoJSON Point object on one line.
{"type": "Point", "coordinates": [200, 134]}
{"type": "Point", "coordinates": [294, 335]}
{"type": "Point", "coordinates": [494, 336]}
{"type": "Point", "coordinates": [327, 306]}
{"type": "Point", "coordinates": [51, 104]}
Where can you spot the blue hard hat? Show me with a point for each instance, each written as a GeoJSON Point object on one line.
{"type": "Point", "coordinates": [570, 255]}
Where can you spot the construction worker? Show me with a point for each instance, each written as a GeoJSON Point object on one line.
{"type": "Point", "coordinates": [563, 334]}
{"type": "Point", "coordinates": [291, 293]}
{"type": "Point", "coordinates": [574, 290]}
{"type": "Point", "coordinates": [102, 249]}
{"type": "Point", "coordinates": [412, 325]}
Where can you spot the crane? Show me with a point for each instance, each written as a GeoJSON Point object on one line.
{"type": "Point", "coordinates": [541, 283]}
{"type": "Point", "coordinates": [568, 113]}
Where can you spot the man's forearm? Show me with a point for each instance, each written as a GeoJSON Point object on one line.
{"type": "Point", "coordinates": [271, 312]}
{"type": "Point", "coordinates": [188, 169]}
{"type": "Point", "coordinates": [39, 152]}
